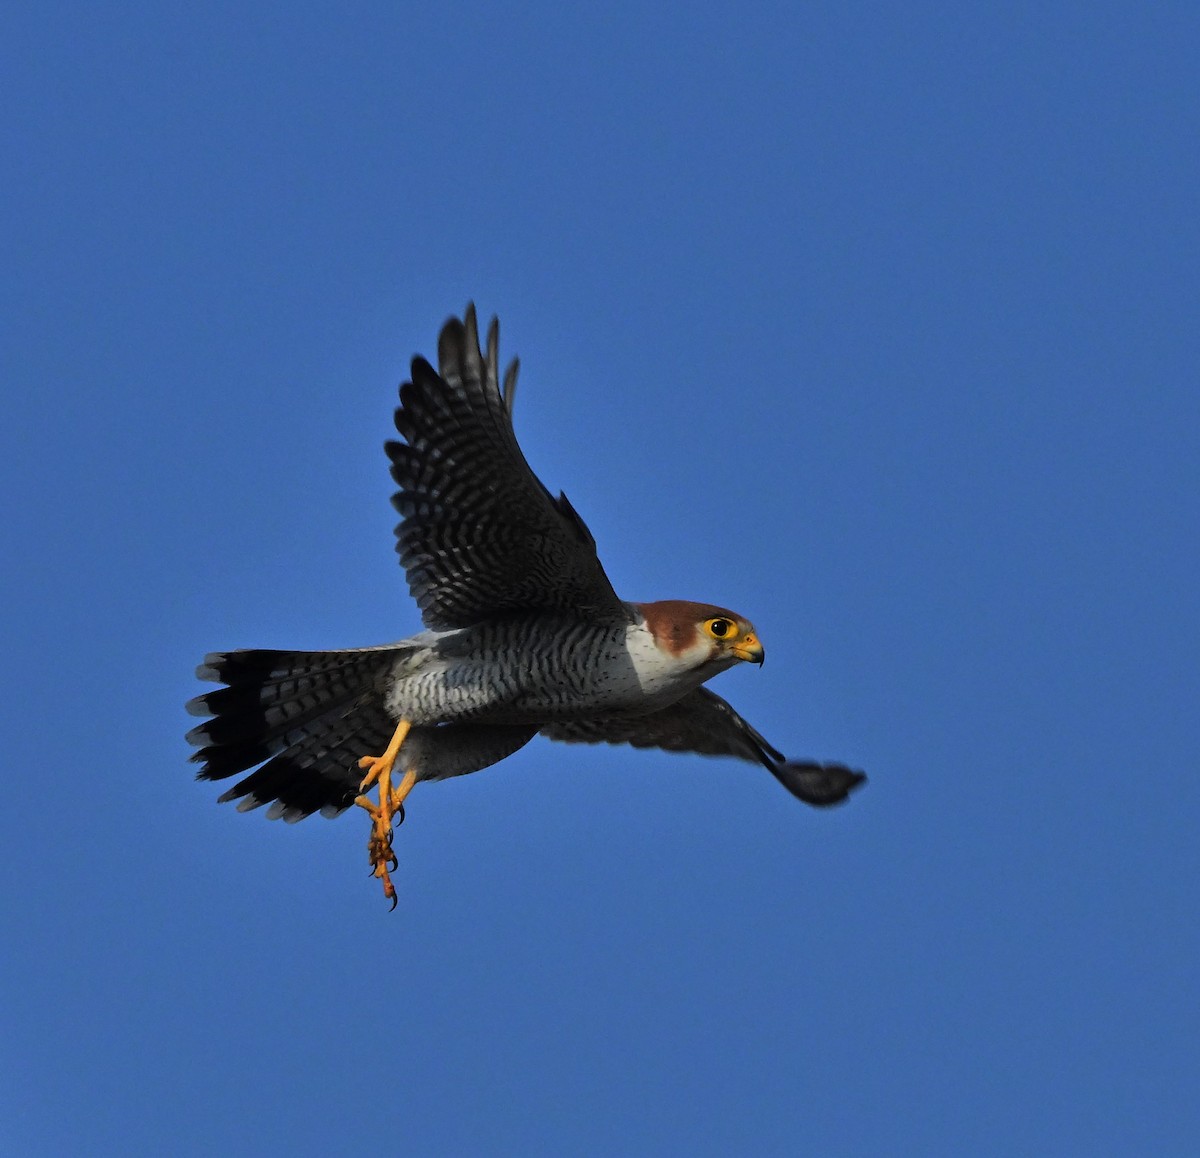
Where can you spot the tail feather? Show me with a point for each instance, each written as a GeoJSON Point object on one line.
{"type": "Point", "coordinates": [273, 692]}
{"type": "Point", "coordinates": [304, 716]}
{"type": "Point", "coordinates": [319, 775]}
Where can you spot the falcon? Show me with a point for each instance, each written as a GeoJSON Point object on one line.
{"type": "Point", "coordinates": [524, 634]}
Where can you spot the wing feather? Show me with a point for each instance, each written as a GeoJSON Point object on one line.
{"type": "Point", "coordinates": [480, 535]}
{"type": "Point", "coordinates": [703, 723]}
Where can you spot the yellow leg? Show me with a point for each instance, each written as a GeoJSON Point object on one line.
{"type": "Point", "coordinates": [391, 800]}
{"type": "Point", "coordinates": [377, 767]}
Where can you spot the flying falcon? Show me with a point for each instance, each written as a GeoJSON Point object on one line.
{"type": "Point", "coordinates": [524, 634]}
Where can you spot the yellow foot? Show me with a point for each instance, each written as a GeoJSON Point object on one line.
{"type": "Point", "coordinates": [379, 848]}
{"type": "Point", "coordinates": [379, 844]}
{"type": "Point", "coordinates": [378, 770]}
{"type": "Point", "coordinates": [379, 767]}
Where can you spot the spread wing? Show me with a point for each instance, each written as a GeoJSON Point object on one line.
{"type": "Point", "coordinates": [480, 535]}
{"type": "Point", "coordinates": [704, 723]}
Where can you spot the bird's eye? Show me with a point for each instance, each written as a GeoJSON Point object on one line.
{"type": "Point", "coordinates": [720, 628]}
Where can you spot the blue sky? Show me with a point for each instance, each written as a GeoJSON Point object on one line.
{"type": "Point", "coordinates": [877, 324]}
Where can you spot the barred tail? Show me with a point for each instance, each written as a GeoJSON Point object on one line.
{"type": "Point", "coordinates": [306, 717]}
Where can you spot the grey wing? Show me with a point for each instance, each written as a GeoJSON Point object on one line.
{"type": "Point", "coordinates": [704, 723]}
{"type": "Point", "coordinates": [480, 535]}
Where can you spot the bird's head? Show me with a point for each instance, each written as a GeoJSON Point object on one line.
{"type": "Point", "coordinates": [702, 635]}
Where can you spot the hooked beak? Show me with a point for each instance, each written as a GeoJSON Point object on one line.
{"type": "Point", "coordinates": [749, 649]}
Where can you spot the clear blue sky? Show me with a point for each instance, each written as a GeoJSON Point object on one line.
{"type": "Point", "coordinates": [878, 324]}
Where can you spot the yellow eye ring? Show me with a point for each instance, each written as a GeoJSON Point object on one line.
{"type": "Point", "coordinates": [720, 627]}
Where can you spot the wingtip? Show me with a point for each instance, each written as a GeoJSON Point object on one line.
{"type": "Point", "coordinates": [493, 353]}
{"type": "Point", "coordinates": [471, 327]}
{"type": "Point", "coordinates": [819, 785]}
{"type": "Point", "coordinates": [510, 384]}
